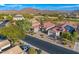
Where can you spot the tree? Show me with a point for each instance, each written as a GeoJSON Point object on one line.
{"type": "Point", "coordinates": [32, 51]}
{"type": "Point", "coordinates": [29, 16]}
{"type": "Point", "coordinates": [74, 36]}
{"type": "Point", "coordinates": [66, 35]}
{"type": "Point", "coordinates": [12, 32]}
{"type": "Point", "coordinates": [24, 25]}
{"type": "Point", "coordinates": [9, 17]}
{"type": "Point", "coordinates": [1, 17]}
{"type": "Point", "coordinates": [70, 37]}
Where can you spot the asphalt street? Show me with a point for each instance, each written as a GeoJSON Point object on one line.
{"type": "Point", "coordinates": [48, 47]}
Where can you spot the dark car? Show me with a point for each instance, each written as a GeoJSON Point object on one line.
{"type": "Point", "coordinates": [25, 47]}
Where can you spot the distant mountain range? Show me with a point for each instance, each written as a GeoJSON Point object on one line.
{"type": "Point", "coordinates": [33, 11]}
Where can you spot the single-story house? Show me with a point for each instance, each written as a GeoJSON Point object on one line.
{"type": "Point", "coordinates": [54, 32]}
{"type": "Point", "coordinates": [4, 44]}
{"type": "Point", "coordinates": [68, 26]}
{"type": "Point", "coordinates": [47, 25]}
{"type": "Point", "coordinates": [14, 50]}
{"type": "Point", "coordinates": [35, 25]}
{"type": "Point", "coordinates": [58, 29]}
{"type": "Point", "coordinates": [18, 17]}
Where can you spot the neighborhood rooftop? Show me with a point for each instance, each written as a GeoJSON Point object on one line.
{"type": "Point", "coordinates": [14, 50]}
{"type": "Point", "coordinates": [48, 25]}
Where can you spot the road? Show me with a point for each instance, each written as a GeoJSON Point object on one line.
{"type": "Point", "coordinates": [48, 47]}
{"type": "Point", "coordinates": [42, 51]}
{"type": "Point", "coordinates": [3, 23]}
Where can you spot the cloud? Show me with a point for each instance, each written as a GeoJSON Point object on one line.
{"type": "Point", "coordinates": [2, 4]}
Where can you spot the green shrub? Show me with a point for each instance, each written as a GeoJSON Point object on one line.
{"type": "Point", "coordinates": [32, 51]}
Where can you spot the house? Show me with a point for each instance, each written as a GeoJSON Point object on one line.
{"type": "Point", "coordinates": [68, 26]}
{"type": "Point", "coordinates": [62, 27]}
{"type": "Point", "coordinates": [54, 32]}
{"type": "Point", "coordinates": [51, 29]}
{"type": "Point", "coordinates": [46, 26]}
{"type": "Point", "coordinates": [14, 50]}
{"type": "Point", "coordinates": [4, 44]}
{"type": "Point", "coordinates": [18, 17]}
{"type": "Point", "coordinates": [35, 25]}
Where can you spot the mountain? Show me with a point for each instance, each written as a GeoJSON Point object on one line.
{"type": "Point", "coordinates": [31, 11]}
{"type": "Point", "coordinates": [8, 11]}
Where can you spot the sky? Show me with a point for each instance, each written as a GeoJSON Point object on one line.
{"type": "Point", "coordinates": [40, 6]}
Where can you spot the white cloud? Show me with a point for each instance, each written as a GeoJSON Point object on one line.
{"type": "Point", "coordinates": [2, 4]}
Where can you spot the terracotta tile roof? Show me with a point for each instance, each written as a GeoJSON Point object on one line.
{"type": "Point", "coordinates": [60, 27]}
{"type": "Point", "coordinates": [56, 29]}
{"type": "Point", "coordinates": [36, 24]}
{"type": "Point", "coordinates": [48, 25]}
{"type": "Point", "coordinates": [73, 24]}
{"type": "Point", "coordinates": [14, 50]}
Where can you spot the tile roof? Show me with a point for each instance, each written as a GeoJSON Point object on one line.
{"type": "Point", "coordinates": [18, 15]}
{"type": "Point", "coordinates": [48, 25]}
{"type": "Point", "coordinates": [56, 29]}
{"type": "Point", "coordinates": [36, 24]}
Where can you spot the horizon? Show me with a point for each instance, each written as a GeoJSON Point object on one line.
{"type": "Point", "coordinates": [67, 7]}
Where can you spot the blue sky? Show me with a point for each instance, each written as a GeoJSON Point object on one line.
{"type": "Point", "coordinates": [40, 6]}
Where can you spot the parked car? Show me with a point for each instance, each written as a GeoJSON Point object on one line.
{"type": "Point", "coordinates": [25, 47]}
